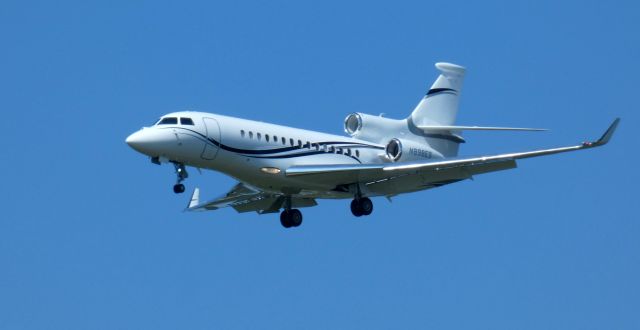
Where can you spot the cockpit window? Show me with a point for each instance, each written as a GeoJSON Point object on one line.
{"type": "Point", "coordinates": [186, 121]}
{"type": "Point", "coordinates": [168, 121]}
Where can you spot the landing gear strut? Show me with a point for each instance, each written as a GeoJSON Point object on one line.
{"type": "Point", "coordinates": [361, 206]}
{"type": "Point", "coordinates": [291, 218]}
{"type": "Point", "coordinates": [182, 174]}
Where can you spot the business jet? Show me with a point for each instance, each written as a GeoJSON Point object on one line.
{"type": "Point", "coordinates": [283, 168]}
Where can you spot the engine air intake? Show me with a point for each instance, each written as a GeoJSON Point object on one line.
{"type": "Point", "coordinates": [352, 124]}
{"type": "Point", "coordinates": [394, 149]}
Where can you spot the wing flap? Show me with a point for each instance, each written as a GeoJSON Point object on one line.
{"type": "Point", "coordinates": [491, 167]}
{"type": "Point", "coordinates": [258, 203]}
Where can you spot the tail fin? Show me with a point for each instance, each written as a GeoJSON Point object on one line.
{"type": "Point", "coordinates": [440, 105]}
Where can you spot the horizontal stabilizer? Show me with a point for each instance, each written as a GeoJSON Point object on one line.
{"type": "Point", "coordinates": [477, 128]}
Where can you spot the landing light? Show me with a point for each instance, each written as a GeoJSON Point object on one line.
{"type": "Point", "coordinates": [270, 170]}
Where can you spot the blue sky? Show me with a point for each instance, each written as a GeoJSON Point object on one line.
{"type": "Point", "coordinates": [92, 237]}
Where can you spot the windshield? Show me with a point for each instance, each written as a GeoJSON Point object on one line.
{"type": "Point", "coordinates": [186, 121]}
{"type": "Point", "coordinates": [168, 121]}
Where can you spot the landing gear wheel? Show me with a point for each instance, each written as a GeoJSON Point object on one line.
{"type": "Point", "coordinates": [361, 206]}
{"type": "Point", "coordinates": [284, 219]}
{"type": "Point", "coordinates": [291, 218]}
{"type": "Point", "coordinates": [296, 217]}
{"type": "Point", "coordinates": [178, 188]}
{"type": "Point", "coordinates": [366, 206]}
{"type": "Point", "coordinates": [355, 208]}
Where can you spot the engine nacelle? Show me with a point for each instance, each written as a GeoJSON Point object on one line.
{"type": "Point", "coordinates": [372, 128]}
{"type": "Point", "coordinates": [407, 150]}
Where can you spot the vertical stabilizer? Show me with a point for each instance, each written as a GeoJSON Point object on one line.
{"type": "Point", "coordinates": [440, 105]}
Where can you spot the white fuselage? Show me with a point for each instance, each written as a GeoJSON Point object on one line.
{"type": "Point", "coordinates": [256, 153]}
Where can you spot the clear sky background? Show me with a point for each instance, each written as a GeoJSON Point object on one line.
{"type": "Point", "coordinates": [92, 237]}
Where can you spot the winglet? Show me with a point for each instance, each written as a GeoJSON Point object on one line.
{"type": "Point", "coordinates": [608, 134]}
{"type": "Point", "coordinates": [195, 199]}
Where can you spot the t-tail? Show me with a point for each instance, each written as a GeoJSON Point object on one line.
{"type": "Point", "coordinates": [435, 116]}
{"type": "Point", "coordinates": [432, 124]}
{"type": "Point", "coordinates": [439, 107]}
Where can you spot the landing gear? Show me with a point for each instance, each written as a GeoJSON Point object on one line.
{"type": "Point", "coordinates": [178, 188]}
{"type": "Point", "coordinates": [361, 206]}
{"type": "Point", "coordinates": [291, 218]}
{"type": "Point", "coordinates": [355, 208]}
{"type": "Point", "coordinates": [182, 174]}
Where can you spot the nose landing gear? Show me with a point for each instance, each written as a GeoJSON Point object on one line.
{"type": "Point", "coordinates": [178, 188]}
{"type": "Point", "coordinates": [182, 174]}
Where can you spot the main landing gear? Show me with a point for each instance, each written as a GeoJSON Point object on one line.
{"type": "Point", "coordinates": [182, 174]}
{"type": "Point", "coordinates": [291, 218]}
{"type": "Point", "coordinates": [361, 206]}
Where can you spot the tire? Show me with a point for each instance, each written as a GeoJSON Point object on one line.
{"type": "Point", "coordinates": [355, 208]}
{"type": "Point", "coordinates": [178, 188]}
{"type": "Point", "coordinates": [366, 206]}
{"type": "Point", "coordinates": [295, 218]}
{"type": "Point", "coordinates": [285, 219]}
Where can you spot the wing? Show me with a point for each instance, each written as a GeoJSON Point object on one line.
{"type": "Point", "coordinates": [436, 173]}
{"type": "Point", "coordinates": [244, 198]}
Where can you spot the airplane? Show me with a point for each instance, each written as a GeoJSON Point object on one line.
{"type": "Point", "coordinates": [282, 169]}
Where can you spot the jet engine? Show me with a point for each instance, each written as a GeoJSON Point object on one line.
{"type": "Point", "coordinates": [370, 128]}
{"type": "Point", "coordinates": [407, 150]}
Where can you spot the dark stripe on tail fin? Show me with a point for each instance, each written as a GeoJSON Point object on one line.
{"type": "Point", "coordinates": [434, 91]}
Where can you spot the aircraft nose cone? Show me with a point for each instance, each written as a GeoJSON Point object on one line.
{"type": "Point", "coordinates": [142, 141]}
{"type": "Point", "coordinates": [152, 142]}
{"type": "Point", "coordinates": [135, 141]}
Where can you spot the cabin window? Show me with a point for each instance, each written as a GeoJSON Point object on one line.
{"type": "Point", "coordinates": [357, 153]}
{"type": "Point", "coordinates": [275, 138]}
{"type": "Point", "coordinates": [307, 145]}
{"type": "Point", "coordinates": [266, 137]}
{"type": "Point", "coordinates": [339, 150]}
{"type": "Point", "coordinates": [331, 149]}
{"type": "Point", "coordinates": [299, 144]}
{"type": "Point", "coordinates": [259, 136]}
{"type": "Point", "coordinates": [348, 152]}
{"type": "Point", "coordinates": [284, 141]}
{"type": "Point", "coordinates": [186, 121]}
{"type": "Point", "coordinates": [250, 135]}
{"type": "Point", "coordinates": [242, 132]}
{"type": "Point", "coordinates": [168, 121]}
{"type": "Point", "coordinates": [291, 142]}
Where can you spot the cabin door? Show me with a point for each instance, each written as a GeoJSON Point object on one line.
{"type": "Point", "coordinates": [213, 136]}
